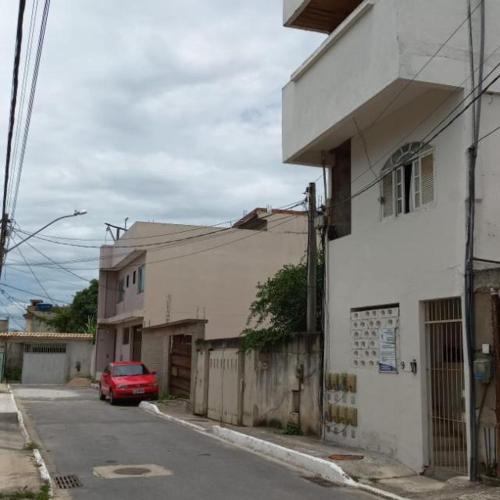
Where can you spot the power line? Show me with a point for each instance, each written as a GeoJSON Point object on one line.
{"type": "Point", "coordinates": [485, 136]}
{"type": "Point", "coordinates": [13, 101]}
{"type": "Point", "coordinates": [34, 80]}
{"type": "Point", "coordinates": [24, 85]}
{"type": "Point", "coordinates": [288, 206]}
{"type": "Point", "coordinates": [32, 293]}
{"type": "Point", "coordinates": [34, 274]}
{"type": "Point", "coordinates": [427, 117]}
{"type": "Point", "coordinates": [159, 245]}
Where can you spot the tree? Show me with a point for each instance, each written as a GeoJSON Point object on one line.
{"type": "Point", "coordinates": [79, 316]}
{"type": "Point", "coordinates": [280, 308]}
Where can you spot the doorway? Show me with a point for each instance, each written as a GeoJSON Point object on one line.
{"type": "Point", "coordinates": [137, 343]}
{"type": "Point", "coordinates": [445, 362]}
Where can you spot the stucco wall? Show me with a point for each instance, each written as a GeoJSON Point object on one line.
{"type": "Point", "coordinates": [257, 388]}
{"type": "Point", "coordinates": [404, 260]}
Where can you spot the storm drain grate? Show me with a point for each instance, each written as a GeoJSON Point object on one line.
{"type": "Point", "coordinates": [67, 482]}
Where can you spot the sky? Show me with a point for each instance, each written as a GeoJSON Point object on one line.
{"type": "Point", "coordinates": [152, 110]}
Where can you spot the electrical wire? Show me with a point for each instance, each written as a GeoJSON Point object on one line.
{"type": "Point", "coordinates": [32, 293]}
{"type": "Point", "coordinates": [41, 38]}
{"type": "Point", "coordinates": [288, 206]}
{"type": "Point", "coordinates": [12, 115]}
{"type": "Point", "coordinates": [34, 274]}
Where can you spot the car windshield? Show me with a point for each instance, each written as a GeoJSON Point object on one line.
{"type": "Point", "coordinates": [128, 370]}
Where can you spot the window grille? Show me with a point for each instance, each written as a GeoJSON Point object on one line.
{"type": "Point", "coordinates": [45, 348]}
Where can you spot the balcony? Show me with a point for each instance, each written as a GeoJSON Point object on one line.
{"type": "Point", "coordinates": [317, 15]}
{"type": "Point", "coordinates": [365, 66]}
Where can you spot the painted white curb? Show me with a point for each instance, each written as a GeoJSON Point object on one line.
{"type": "Point", "coordinates": [154, 410]}
{"type": "Point", "coordinates": [42, 468]}
{"type": "Point", "coordinates": [327, 470]}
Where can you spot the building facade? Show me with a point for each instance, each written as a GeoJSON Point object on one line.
{"type": "Point", "coordinates": [382, 105]}
{"type": "Point", "coordinates": [163, 286]}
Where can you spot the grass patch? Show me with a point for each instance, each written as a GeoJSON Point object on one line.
{"type": "Point", "coordinates": [31, 445]}
{"type": "Point", "coordinates": [165, 397]}
{"type": "Point", "coordinates": [24, 494]}
{"type": "Point", "coordinates": [292, 430]}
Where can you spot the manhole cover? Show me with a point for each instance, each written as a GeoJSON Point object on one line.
{"type": "Point", "coordinates": [132, 471]}
{"type": "Point", "coordinates": [346, 457]}
{"type": "Point", "coordinates": [68, 481]}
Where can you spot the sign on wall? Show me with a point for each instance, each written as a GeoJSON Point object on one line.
{"type": "Point", "coordinates": [387, 362]}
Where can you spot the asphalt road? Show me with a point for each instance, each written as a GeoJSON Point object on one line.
{"type": "Point", "coordinates": [78, 433]}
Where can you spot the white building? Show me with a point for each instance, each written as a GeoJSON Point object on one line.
{"type": "Point", "coordinates": [370, 101]}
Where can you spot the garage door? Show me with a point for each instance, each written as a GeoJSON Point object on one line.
{"type": "Point", "coordinates": [45, 364]}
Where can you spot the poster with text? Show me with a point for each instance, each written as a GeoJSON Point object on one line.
{"type": "Point", "coordinates": [387, 362]}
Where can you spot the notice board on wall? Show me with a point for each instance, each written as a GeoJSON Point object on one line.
{"type": "Point", "coordinates": [387, 362]}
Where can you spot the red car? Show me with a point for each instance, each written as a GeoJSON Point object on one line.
{"type": "Point", "coordinates": [127, 380]}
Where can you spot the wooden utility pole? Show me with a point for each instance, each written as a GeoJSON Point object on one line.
{"type": "Point", "coordinates": [312, 261]}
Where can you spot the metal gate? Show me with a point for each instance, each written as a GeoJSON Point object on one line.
{"type": "Point", "coordinates": [224, 385]}
{"type": "Point", "coordinates": [45, 364]}
{"type": "Point", "coordinates": [443, 327]}
{"type": "Point", "coordinates": [180, 366]}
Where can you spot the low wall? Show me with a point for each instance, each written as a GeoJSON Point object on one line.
{"type": "Point", "coordinates": [272, 387]}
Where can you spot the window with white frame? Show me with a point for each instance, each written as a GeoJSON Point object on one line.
{"type": "Point", "coordinates": [408, 179]}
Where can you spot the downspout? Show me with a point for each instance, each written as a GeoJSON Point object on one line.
{"type": "Point", "coordinates": [469, 253]}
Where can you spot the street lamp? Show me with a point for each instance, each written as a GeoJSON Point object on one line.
{"type": "Point", "coordinates": [76, 213]}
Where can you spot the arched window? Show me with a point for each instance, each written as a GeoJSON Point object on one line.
{"type": "Point", "coordinates": [408, 179]}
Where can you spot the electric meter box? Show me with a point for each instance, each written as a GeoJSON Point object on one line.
{"type": "Point", "coordinates": [483, 369]}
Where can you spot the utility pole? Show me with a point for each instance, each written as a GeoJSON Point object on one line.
{"type": "Point", "coordinates": [312, 260]}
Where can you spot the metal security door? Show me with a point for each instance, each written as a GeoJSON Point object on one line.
{"type": "Point", "coordinates": [2, 366]}
{"type": "Point", "coordinates": [443, 326]}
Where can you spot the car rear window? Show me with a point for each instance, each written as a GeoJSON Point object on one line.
{"type": "Point", "coordinates": [128, 370]}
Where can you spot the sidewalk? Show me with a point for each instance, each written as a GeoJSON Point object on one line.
{"type": "Point", "coordinates": [18, 469]}
{"type": "Point", "coordinates": [387, 476]}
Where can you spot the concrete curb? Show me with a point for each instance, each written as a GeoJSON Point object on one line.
{"type": "Point", "coordinates": [314, 465]}
{"type": "Point", "coordinates": [327, 470]}
{"type": "Point", "coordinates": [154, 410]}
{"type": "Point", "coordinates": [42, 467]}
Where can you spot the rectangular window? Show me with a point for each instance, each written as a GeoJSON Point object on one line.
{"type": "Point", "coordinates": [140, 279]}
{"type": "Point", "coordinates": [121, 290]}
{"type": "Point", "coordinates": [128, 279]}
{"type": "Point", "coordinates": [126, 336]}
{"type": "Point", "coordinates": [400, 194]}
{"type": "Point", "coordinates": [133, 277]}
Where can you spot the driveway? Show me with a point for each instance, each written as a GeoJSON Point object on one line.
{"type": "Point", "coordinates": [79, 433]}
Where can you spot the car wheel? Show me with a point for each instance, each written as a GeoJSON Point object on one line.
{"type": "Point", "coordinates": [102, 397]}
{"type": "Point", "coordinates": [112, 399]}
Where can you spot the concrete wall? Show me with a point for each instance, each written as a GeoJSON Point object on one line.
{"type": "Point", "coordinates": [211, 277]}
{"type": "Point", "coordinates": [79, 358]}
{"type": "Point", "coordinates": [156, 350]}
{"type": "Point", "coordinates": [133, 299]}
{"type": "Point", "coordinates": [257, 388]}
{"type": "Point", "coordinates": [404, 260]}
{"type": "Point", "coordinates": [361, 69]}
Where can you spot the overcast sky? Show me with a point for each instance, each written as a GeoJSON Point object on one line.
{"type": "Point", "coordinates": [152, 110]}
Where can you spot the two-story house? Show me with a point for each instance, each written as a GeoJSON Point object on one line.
{"type": "Point", "coordinates": [163, 286]}
{"type": "Point", "coordinates": [385, 106]}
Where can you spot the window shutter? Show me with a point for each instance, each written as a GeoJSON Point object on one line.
{"type": "Point", "coordinates": [388, 194]}
{"type": "Point", "coordinates": [427, 179]}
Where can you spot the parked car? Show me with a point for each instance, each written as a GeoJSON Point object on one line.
{"type": "Point", "coordinates": [127, 380]}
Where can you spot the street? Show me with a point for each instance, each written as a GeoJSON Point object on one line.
{"type": "Point", "coordinates": [78, 433]}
